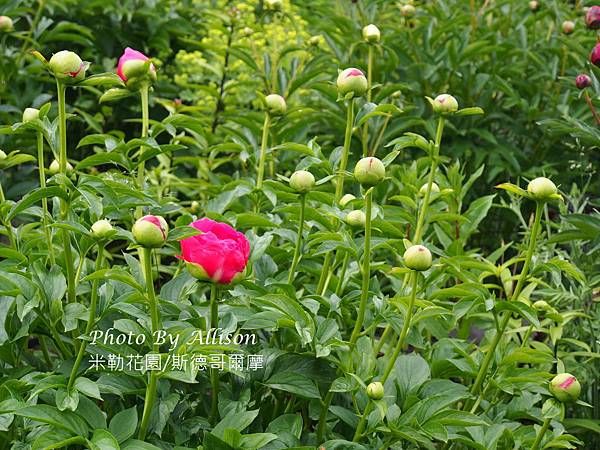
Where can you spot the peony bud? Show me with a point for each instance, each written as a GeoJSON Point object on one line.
{"type": "Point", "coordinates": [346, 199]}
{"type": "Point", "coordinates": [417, 257]}
{"type": "Point", "coordinates": [150, 231]}
{"type": "Point", "coordinates": [533, 5]}
{"type": "Point", "coordinates": [2, 155]}
{"type": "Point", "coordinates": [565, 387]}
{"type": "Point", "coordinates": [592, 18]}
{"type": "Point", "coordinates": [195, 207]}
{"type": "Point", "coordinates": [369, 171]}
{"type": "Point", "coordinates": [6, 24]}
{"type": "Point", "coordinates": [371, 34]}
{"type": "Point", "coordinates": [351, 80]}
{"type": "Point", "coordinates": [445, 104]}
{"type": "Point", "coordinates": [302, 181]}
{"type": "Point", "coordinates": [408, 10]}
{"type": "Point", "coordinates": [568, 26]}
{"type": "Point", "coordinates": [133, 65]}
{"type": "Point", "coordinates": [356, 218]}
{"type": "Point", "coordinates": [316, 41]}
{"type": "Point", "coordinates": [582, 81]}
{"type": "Point", "coordinates": [274, 5]}
{"type": "Point", "coordinates": [55, 167]}
{"type": "Point", "coordinates": [30, 114]}
{"type": "Point", "coordinates": [67, 65]}
{"type": "Point", "coordinates": [101, 229]}
{"type": "Point", "coordinates": [275, 104]}
{"type": "Point", "coordinates": [595, 55]}
{"type": "Point", "coordinates": [434, 188]}
{"type": "Point", "coordinates": [541, 188]}
{"type": "Point", "coordinates": [375, 390]}
{"type": "Point", "coordinates": [247, 31]}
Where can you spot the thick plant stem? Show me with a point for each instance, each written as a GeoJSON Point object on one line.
{"type": "Point", "coordinates": [155, 324]}
{"type": "Point", "coordinates": [540, 435]}
{"type": "Point", "coordinates": [141, 170]}
{"type": "Point", "coordinates": [588, 100]}
{"type": "Point", "coordinates": [340, 286]}
{"type": "Point", "coordinates": [323, 416]}
{"type": "Point", "coordinates": [483, 369]}
{"type": "Point", "coordinates": [42, 173]}
{"type": "Point", "coordinates": [214, 373]}
{"type": "Point", "coordinates": [339, 189]}
{"type": "Point", "coordinates": [432, 170]}
{"type": "Point", "coordinates": [64, 209]}
{"type": "Point", "coordinates": [365, 131]}
{"type": "Point", "coordinates": [397, 350]}
{"type": "Point", "coordinates": [8, 225]}
{"type": "Point", "coordinates": [298, 239]}
{"type": "Point", "coordinates": [366, 270]}
{"type": "Point", "coordinates": [91, 317]}
{"type": "Point", "coordinates": [263, 151]}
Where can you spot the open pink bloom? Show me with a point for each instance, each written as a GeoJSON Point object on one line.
{"type": "Point", "coordinates": [220, 251]}
{"type": "Point", "coordinates": [131, 55]}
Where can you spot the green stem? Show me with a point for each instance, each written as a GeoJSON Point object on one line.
{"type": "Point", "coordinates": [540, 434]}
{"type": "Point", "coordinates": [155, 321]}
{"type": "Point", "coordinates": [324, 273]}
{"type": "Point", "coordinates": [323, 416]}
{"type": "Point", "coordinates": [141, 170]}
{"type": "Point", "coordinates": [263, 151]}
{"type": "Point", "coordinates": [366, 270]}
{"type": "Point", "coordinates": [365, 131]}
{"type": "Point", "coordinates": [42, 173]}
{"type": "Point", "coordinates": [91, 317]}
{"type": "Point", "coordinates": [397, 350]}
{"type": "Point", "coordinates": [214, 373]}
{"type": "Point", "coordinates": [483, 369]}
{"type": "Point", "coordinates": [8, 225]}
{"type": "Point", "coordinates": [380, 136]}
{"type": "Point", "coordinates": [339, 189]}
{"type": "Point", "coordinates": [526, 337]}
{"type": "Point", "coordinates": [341, 278]}
{"type": "Point", "coordinates": [61, 89]}
{"type": "Point", "coordinates": [298, 239]}
{"type": "Point", "coordinates": [432, 171]}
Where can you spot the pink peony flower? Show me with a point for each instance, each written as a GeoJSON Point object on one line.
{"type": "Point", "coordinates": [130, 62]}
{"type": "Point", "coordinates": [592, 18]}
{"type": "Point", "coordinates": [219, 254]}
{"type": "Point", "coordinates": [582, 81]}
{"type": "Point", "coordinates": [595, 55]}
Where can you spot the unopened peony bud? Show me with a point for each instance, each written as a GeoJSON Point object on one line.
{"type": "Point", "coordinates": [434, 188]}
{"type": "Point", "coordinates": [247, 31]}
{"type": "Point", "coordinates": [356, 218]}
{"type": "Point", "coordinates": [316, 41]}
{"type": "Point", "coordinates": [582, 81]}
{"type": "Point", "coordinates": [351, 80]}
{"type": "Point", "coordinates": [302, 181]}
{"type": "Point", "coordinates": [541, 188]}
{"type": "Point", "coordinates": [595, 55]}
{"type": "Point", "coordinates": [369, 171]}
{"type": "Point", "coordinates": [6, 24]}
{"type": "Point", "coordinates": [408, 10]}
{"type": "Point", "coordinates": [565, 387]}
{"type": "Point", "coordinates": [55, 167]}
{"type": "Point", "coordinates": [195, 207]}
{"type": "Point", "coordinates": [375, 390]}
{"type": "Point", "coordinates": [101, 229]}
{"type": "Point", "coordinates": [30, 114]}
{"type": "Point", "coordinates": [2, 155]}
{"type": "Point", "coordinates": [274, 5]}
{"type": "Point", "coordinates": [568, 26]}
{"type": "Point", "coordinates": [67, 65]}
{"type": "Point", "coordinates": [346, 199]}
{"type": "Point", "coordinates": [371, 34]}
{"type": "Point", "coordinates": [444, 104]}
{"type": "Point", "coordinates": [592, 18]}
{"type": "Point", "coordinates": [417, 257]}
{"type": "Point", "coordinates": [133, 66]}
{"type": "Point", "coordinates": [150, 231]}
{"type": "Point", "coordinates": [275, 104]}
{"type": "Point", "coordinates": [534, 5]}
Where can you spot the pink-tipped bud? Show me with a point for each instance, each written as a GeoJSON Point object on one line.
{"type": "Point", "coordinates": [133, 65]}
{"type": "Point", "coordinates": [418, 257]}
{"type": "Point", "coordinates": [6, 24]}
{"type": "Point", "coordinates": [592, 18]}
{"type": "Point", "coordinates": [565, 387]}
{"type": "Point", "coordinates": [67, 65]}
{"type": "Point", "coordinates": [582, 81]}
{"type": "Point", "coordinates": [595, 55]}
{"type": "Point", "coordinates": [568, 26]}
{"type": "Point", "coordinates": [150, 231]}
{"type": "Point", "coordinates": [369, 171]}
{"type": "Point", "coordinates": [351, 80]}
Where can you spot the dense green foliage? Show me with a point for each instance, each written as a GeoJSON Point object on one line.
{"type": "Point", "coordinates": [464, 348]}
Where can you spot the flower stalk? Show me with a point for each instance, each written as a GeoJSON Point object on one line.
{"type": "Point", "coordinates": [541, 433]}
{"type": "Point", "coordinates": [141, 170]}
{"type": "Point", "coordinates": [42, 173]}
{"type": "Point", "coordinates": [263, 151]}
{"type": "Point", "coordinates": [296, 257]}
{"type": "Point", "coordinates": [214, 373]}
{"type": "Point", "coordinates": [339, 189]}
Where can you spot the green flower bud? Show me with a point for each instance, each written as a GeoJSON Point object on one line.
{"type": "Point", "coordinates": [6, 24]}
{"type": "Point", "coordinates": [67, 65]}
{"type": "Point", "coordinates": [369, 171]}
{"type": "Point", "coordinates": [541, 305]}
{"type": "Point", "coordinates": [302, 181]}
{"type": "Point", "coordinates": [2, 155]}
{"type": "Point", "coordinates": [434, 188]}
{"type": "Point", "coordinates": [195, 207]}
{"type": "Point", "coordinates": [274, 5]}
{"type": "Point", "coordinates": [55, 168]}
{"type": "Point", "coordinates": [346, 199]}
{"type": "Point", "coordinates": [316, 41]}
{"type": "Point", "coordinates": [351, 80]}
{"type": "Point", "coordinates": [541, 188]}
{"type": "Point", "coordinates": [375, 390]}
{"type": "Point", "coordinates": [445, 104]}
{"type": "Point", "coordinates": [150, 231]}
{"type": "Point", "coordinates": [275, 104]}
{"type": "Point", "coordinates": [247, 31]}
{"type": "Point", "coordinates": [408, 10]}
{"type": "Point", "coordinates": [417, 257]}
{"type": "Point", "coordinates": [356, 218]}
{"type": "Point", "coordinates": [371, 34]}
{"type": "Point", "coordinates": [533, 5]}
{"type": "Point", "coordinates": [101, 229]}
{"type": "Point", "coordinates": [565, 387]}
{"type": "Point", "coordinates": [568, 26]}
{"type": "Point", "coordinates": [30, 114]}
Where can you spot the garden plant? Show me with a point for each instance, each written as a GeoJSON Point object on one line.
{"type": "Point", "coordinates": [288, 224]}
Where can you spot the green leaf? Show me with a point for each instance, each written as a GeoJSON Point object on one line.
{"type": "Point", "coordinates": [471, 111]}
{"type": "Point", "coordinates": [35, 197]}
{"type": "Point", "coordinates": [103, 440]}
{"type": "Point", "coordinates": [294, 382]}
